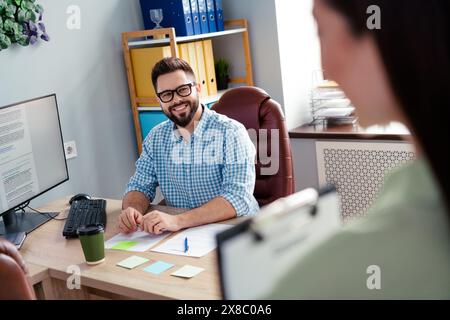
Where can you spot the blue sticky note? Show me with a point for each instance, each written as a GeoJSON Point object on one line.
{"type": "Point", "coordinates": [159, 267]}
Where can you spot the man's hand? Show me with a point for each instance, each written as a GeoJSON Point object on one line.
{"type": "Point", "coordinates": [157, 222]}
{"type": "Point", "coordinates": [10, 250]}
{"type": "Point", "coordinates": [130, 219]}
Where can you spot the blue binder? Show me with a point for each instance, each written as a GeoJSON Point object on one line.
{"type": "Point", "coordinates": [195, 17]}
{"type": "Point", "coordinates": [219, 15]}
{"type": "Point", "coordinates": [211, 12]}
{"type": "Point", "coordinates": [176, 14]}
{"type": "Point", "coordinates": [204, 25]}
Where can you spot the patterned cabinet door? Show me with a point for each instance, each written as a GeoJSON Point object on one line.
{"type": "Point", "coordinates": [357, 170]}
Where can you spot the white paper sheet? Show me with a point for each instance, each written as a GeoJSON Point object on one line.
{"type": "Point", "coordinates": [144, 240]}
{"type": "Point", "coordinates": [202, 240]}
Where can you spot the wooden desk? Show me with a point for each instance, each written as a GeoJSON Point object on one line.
{"type": "Point", "coordinates": [49, 255]}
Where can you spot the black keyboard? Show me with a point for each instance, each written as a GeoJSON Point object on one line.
{"type": "Point", "coordinates": [84, 213]}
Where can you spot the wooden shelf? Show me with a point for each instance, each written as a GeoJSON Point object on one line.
{"type": "Point", "coordinates": [167, 36]}
{"type": "Point", "coordinates": [159, 42]}
{"type": "Point", "coordinates": [394, 131]}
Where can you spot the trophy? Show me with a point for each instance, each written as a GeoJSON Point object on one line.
{"type": "Point", "coordinates": [156, 15]}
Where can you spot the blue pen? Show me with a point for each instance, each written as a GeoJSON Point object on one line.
{"type": "Point", "coordinates": [186, 245]}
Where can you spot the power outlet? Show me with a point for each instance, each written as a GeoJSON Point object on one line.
{"type": "Point", "coordinates": [70, 149]}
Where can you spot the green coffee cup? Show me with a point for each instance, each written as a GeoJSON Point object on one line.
{"type": "Point", "coordinates": [92, 239]}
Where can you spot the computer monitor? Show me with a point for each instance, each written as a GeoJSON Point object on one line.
{"type": "Point", "coordinates": [32, 161]}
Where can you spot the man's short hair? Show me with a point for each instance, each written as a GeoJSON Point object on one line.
{"type": "Point", "coordinates": [169, 65]}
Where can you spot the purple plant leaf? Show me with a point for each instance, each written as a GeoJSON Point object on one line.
{"type": "Point", "coordinates": [45, 37]}
{"type": "Point", "coordinates": [33, 40]}
{"type": "Point", "coordinates": [41, 26]}
{"type": "Point", "coordinates": [40, 17]}
{"type": "Point", "coordinates": [32, 26]}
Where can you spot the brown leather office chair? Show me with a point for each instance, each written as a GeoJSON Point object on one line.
{"type": "Point", "coordinates": [13, 281]}
{"type": "Point", "coordinates": [255, 109]}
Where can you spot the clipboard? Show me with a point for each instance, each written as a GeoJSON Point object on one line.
{"type": "Point", "coordinates": [253, 255]}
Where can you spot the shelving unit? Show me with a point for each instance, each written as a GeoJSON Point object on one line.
{"type": "Point", "coordinates": [158, 42]}
{"type": "Point", "coordinates": [167, 36]}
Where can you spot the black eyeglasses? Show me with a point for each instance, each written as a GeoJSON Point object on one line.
{"type": "Point", "coordinates": [184, 90]}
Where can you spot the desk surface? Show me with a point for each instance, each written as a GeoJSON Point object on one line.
{"type": "Point", "coordinates": [394, 131]}
{"type": "Point", "coordinates": [47, 248]}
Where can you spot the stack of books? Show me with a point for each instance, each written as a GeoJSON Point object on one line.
{"type": "Point", "coordinates": [329, 104]}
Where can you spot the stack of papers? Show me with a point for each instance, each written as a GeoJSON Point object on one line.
{"type": "Point", "coordinates": [202, 240]}
{"type": "Point", "coordinates": [335, 112]}
{"type": "Point", "coordinates": [330, 104]}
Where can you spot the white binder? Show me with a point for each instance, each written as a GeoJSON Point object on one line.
{"type": "Point", "coordinates": [253, 255]}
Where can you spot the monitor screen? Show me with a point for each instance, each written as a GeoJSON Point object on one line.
{"type": "Point", "coordinates": [32, 159]}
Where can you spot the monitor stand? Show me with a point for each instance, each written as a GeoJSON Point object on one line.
{"type": "Point", "coordinates": [15, 222]}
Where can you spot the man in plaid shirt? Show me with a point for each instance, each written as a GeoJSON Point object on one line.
{"type": "Point", "coordinates": [202, 161]}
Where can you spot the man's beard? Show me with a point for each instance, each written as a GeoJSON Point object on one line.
{"type": "Point", "coordinates": [184, 121]}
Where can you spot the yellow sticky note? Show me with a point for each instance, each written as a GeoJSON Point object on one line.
{"type": "Point", "coordinates": [132, 262]}
{"type": "Point", "coordinates": [187, 272]}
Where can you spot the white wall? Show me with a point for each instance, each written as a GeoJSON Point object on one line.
{"type": "Point", "coordinates": [285, 50]}
{"type": "Point", "coordinates": [299, 56]}
{"type": "Point", "coordinates": [85, 69]}
{"type": "Point", "coordinates": [263, 33]}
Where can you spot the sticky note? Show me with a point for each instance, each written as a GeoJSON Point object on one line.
{"type": "Point", "coordinates": [187, 272]}
{"type": "Point", "coordinates": [159, 267]}
{"type": "Point", "coordinates": [132, 262]}
{"type": "Point", "coordinates": [124, 245]}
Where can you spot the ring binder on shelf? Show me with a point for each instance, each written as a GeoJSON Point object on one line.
{"type": "Point", "coordinates": [176, 14]}
{"type": "Point", "coordinates": [211, 11]}
{"type": "Point", "coordinates": [276, 238]}
{"type": "Point", "coordinates": [203, 14]}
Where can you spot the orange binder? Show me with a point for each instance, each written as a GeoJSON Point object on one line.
{"type": "Point", "coordinates": [210, 68]}
{"type": "Point", "coordinates": [143, 61]}
{"type": "Point", "coordinates": [201, 76]}
{"type": "Point", "coordinates": [183, 52]}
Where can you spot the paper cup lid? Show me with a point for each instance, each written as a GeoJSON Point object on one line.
{"type": "Point", "coordinates": [90, 230]}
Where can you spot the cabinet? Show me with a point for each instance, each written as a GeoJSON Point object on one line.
{"type": "Point", "coordinates": [144, 103]}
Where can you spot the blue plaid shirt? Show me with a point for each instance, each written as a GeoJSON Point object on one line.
{"type": "Point", "coordinates": [218, 161]}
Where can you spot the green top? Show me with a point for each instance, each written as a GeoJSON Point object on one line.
{"type": "Point", "coordinates": [406, 234]}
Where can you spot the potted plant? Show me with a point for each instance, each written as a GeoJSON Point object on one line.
{"type": "Point", "coordinates": [21, 22]}
{"type": "Point", "coordinates": [222, 74]}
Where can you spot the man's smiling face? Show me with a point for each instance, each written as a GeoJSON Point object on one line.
{"type": "Point", "coordinates": [181, 109]}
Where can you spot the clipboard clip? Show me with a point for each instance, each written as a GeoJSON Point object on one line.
{"type": "Point", "coordinates": [305, 202]}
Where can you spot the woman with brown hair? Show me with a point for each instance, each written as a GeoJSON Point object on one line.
{"type": "Point", "coordinates": [399, 72]}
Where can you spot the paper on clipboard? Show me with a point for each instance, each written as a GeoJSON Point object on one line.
{"type": "Point", "coordinates": [276, 238]}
